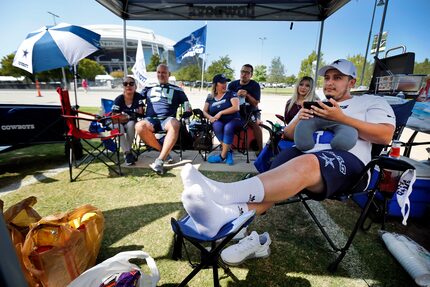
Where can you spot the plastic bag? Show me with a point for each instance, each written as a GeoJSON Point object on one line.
{"type": "Point", "coordinates": [60, 247]}
{"type": "Point", "coordinates": [117, 265]}
{"type": "Point", "coordinates": [18, 219]}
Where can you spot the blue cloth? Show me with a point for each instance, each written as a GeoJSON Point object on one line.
{"type": "Point", "coordinates": [162, 101]}
{"type": "Point", "coordinates": [191, 45]}
{"type": "Point", "coordinates": [224, 129]}
{"type": "Point", "coordinates": [216, 106]}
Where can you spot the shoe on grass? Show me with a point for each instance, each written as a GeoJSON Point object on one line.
{"type": "Point", "coordinates": [252, 246]}
{"type": "Point", "coordinates": [216, 158]}
{"type": "Point", "coordinates": [229, 160]}
{"type": "Point", "coordinates": [129, 158]}
{"type": "Point", "coordinates": [158, 166]}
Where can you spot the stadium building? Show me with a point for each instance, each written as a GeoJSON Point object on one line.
{"type": "Point", "coordinates": [111, 54]}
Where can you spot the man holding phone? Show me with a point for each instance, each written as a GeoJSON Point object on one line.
{"type": "Point", "coordinates": [322, 172]}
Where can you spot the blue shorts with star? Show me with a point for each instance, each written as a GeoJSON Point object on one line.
{"type": "Point", "coordinates": [338, 169]}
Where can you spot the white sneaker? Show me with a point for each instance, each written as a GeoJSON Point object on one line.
{"type": "Point", "coordinates": [252, 246]}
{"type": "Point", "coordinates": [241, 234]}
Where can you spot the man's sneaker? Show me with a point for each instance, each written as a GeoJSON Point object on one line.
{"type": "Point", "coordinates": [252, 246]}
{"type": "Point", "coordinates": [215, 158]}
{"type": "Point", "coordinates": [158, 166]}
{"type": "Point", "coordinates": [241, 234]}
{"type": "Point", "coordinates": [129, 158]}
{"type": "Point", "coordinates": [229, 160]}
{"type": "Point", "coordinates": [169, 159]}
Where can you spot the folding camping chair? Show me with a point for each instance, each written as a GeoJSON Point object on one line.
{"type": "Point", "coordinates": [378, 168]}
{"type": "Point", "coordinates": [241, 142]}
{"type": "Point", "coordinates": [105, 150]}
{"type": "Point", "coordinates": [202, 134]}
{"type": "Point", "coordinates": [209, 257]}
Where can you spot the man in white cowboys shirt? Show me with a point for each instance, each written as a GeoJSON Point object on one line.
{"type": "Point", "coordinates": [322, 172]}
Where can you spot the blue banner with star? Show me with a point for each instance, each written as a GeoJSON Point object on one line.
{"type": "Point", "coordinates": [194, 44]}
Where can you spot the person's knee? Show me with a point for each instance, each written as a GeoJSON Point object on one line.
{"type": "Point", "coordinates": [144, 127]}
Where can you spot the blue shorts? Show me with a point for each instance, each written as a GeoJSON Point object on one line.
{"type": "Point", "coordinates": [339, 169]}
{"type": "Point", "coordinates": [157, 124]}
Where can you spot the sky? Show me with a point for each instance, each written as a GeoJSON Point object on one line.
{"type": "Point", "coordinates": [345, 32]}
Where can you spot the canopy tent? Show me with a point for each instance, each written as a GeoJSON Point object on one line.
{"type": "Point", "coordinates": [223, 10]}
{"type": "Point", "coordinates": [268, 10]}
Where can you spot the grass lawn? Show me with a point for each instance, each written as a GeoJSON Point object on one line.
{"type": "Point", "coordinates": [278, 91]}
{"type": "Point", "coordinates": [138, 207]}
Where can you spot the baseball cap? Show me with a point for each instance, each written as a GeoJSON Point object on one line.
{"type": "Point", "coordinates": [344, 66]}
{"type": "Point", "coordinates": [220, 78]}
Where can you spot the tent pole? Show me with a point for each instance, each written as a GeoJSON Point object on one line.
{"type": "Point", "coordinates": [319, 53]}
{"type": "Point", "coordinates": [75, 76]}
{"type": "Point", "coordinates": [124, 47]}
{"type": "Point", "coordinates": [203, 70]}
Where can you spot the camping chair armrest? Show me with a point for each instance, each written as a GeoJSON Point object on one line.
{"type": "Point", "coordinates": [385, 162]}
{"type": "Point", "coordinates": [78, 118]}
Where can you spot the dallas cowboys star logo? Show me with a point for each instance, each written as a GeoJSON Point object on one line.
{"type": "Point", "coordinates": [328, 160]}
{"type": "Point", "coordinates": [336, 62]}
{"type": "Point", "coordinates": [25, 53]}
{"type": "Point", "coordinates": [193, 40]}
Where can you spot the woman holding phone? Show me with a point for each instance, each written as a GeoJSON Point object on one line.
{"type": "Point", "coordinates": [304, 91]}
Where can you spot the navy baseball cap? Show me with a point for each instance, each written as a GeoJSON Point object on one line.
{"type": "Point", "coordinates": [220, 78]}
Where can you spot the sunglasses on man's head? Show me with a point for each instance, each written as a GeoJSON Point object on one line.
{"type": "Point", "coordinates": [125, 84]}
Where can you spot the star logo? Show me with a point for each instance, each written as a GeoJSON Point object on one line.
{"type": "Point", "coordinates": [336, 62]}
{"type": "Point", "coordinates": [25, 53]}
{"type": "Point", "coordinates": [193, 40]}
{"type": "Point", "coordinates": [328, 160]}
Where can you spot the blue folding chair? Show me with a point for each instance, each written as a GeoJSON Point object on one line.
{"type": "Point", "coordinates": [186, 229]}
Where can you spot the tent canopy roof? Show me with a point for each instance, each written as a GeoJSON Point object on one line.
{"type": "Point", "coordinates": [257, 10]}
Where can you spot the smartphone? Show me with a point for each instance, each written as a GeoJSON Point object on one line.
{"type": "Point", "coordinates": [308, 105]}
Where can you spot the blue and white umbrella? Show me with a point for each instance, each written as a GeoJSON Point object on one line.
{"type": "Point", "coordinates": [53, 47]}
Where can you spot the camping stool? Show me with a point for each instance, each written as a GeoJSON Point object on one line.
{"type": "Point", "coordinates": [185, 228]}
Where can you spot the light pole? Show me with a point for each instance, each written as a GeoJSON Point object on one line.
{"type": "Point", "coordinates": [381, 28]}
{"type": "Point", "coordinates": [262, 45]}
{"type": "Point", "coordinates": [54, 16]}
{"type": "Point", "coordinates": [380, 3]}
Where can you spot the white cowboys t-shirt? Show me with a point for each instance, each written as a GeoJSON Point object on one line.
{"type": "Point", "coordinates": [368, 108]}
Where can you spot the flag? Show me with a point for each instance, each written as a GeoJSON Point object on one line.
{"type": "Point", "coordinates": [191, 45]}
{"type": "Point", "coordinates": [139, 68]}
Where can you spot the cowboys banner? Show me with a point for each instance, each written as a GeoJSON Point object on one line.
{"type": "Point", "coordinates": [191, 45]}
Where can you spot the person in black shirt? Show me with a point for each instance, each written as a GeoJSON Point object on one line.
{"type": "Point", "coordinates": [128, 106]}
{"type": "Point", "coordinates": [249, 92]}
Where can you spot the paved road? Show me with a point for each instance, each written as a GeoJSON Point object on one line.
{"type": "Point", "coordinates": [270, 105]}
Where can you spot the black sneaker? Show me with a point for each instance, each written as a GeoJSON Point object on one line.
{"type": "Point", "coordinates": [129, 159]}
{"type": "Point", "coordinates": [158, 166]}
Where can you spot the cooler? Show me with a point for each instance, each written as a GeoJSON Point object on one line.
{"type": "Point", "coordinates": [419, 198]}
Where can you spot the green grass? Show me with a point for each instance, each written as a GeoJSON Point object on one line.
{"type": "Point", "coordinates": [278, 91]}
{"type": "Point", "coordinates": [138, 207]}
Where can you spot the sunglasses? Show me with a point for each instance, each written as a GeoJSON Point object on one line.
{"type": "Point", "coordinates": [125, 84]}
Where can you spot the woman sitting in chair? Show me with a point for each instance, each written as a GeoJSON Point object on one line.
{"type": "Point", "coordinates": [304, 91]}
{"type": "Point", "coordinates": [222, 110]}
{"type": "Point", "coordinates": [129, 105]}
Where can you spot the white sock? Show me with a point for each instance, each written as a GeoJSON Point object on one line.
{"type": "Point", "coordinates": [248, 190]}
{"type": "Point", "coordinates": [209, 216]}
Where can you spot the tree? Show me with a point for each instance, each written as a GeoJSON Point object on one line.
{"type": "Point", "coordinates": [291, 80]}
{"type": "Point", "coordinates": [276, 71]}
{"type": "Point", "coordinates": [307, 66]}
{"type": "Point", "coordinates": [221, 66]}
{"type": "Point", "coordinates": [358, 61]}
{"type": "Point", "coordinates": [260, 73]}
{"type": "Point", "coordinates": [117, 74]}
{"type": "Point", "coordinates": [423, 67]}
{"type": "Point", "coordinates": [154, 62]}
{"type": "Point", "coordinates": [188, 73]}
{"type": "Point", "coordinates": [7, 69]}
{"type": "Point", "coordinates": [89, 69]}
